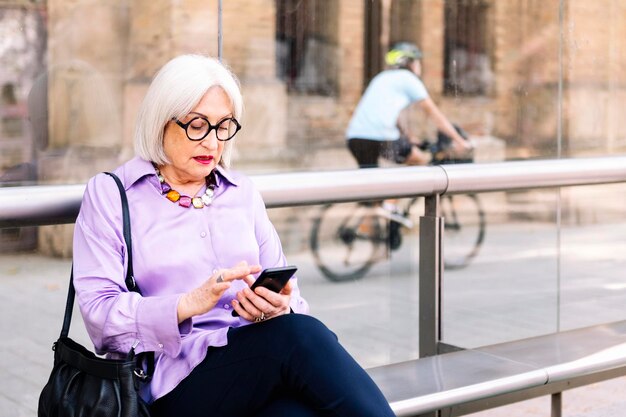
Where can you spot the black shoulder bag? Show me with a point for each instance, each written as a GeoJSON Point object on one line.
{"type": "Point", "coordinates": [82, 384]}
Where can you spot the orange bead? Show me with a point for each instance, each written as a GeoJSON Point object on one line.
{"type": "Point", "coordinates": [173, 196]}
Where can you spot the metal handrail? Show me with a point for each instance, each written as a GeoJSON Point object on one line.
{"type": "Point", "coordinates": [504, 176]}
{"type": "Point", "coordinates": [55, 204]}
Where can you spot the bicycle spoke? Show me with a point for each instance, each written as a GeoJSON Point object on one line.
{"type": "Point", "coordinates": [464, 229]}
{"type": "Point", "coordinates": [345, 240]}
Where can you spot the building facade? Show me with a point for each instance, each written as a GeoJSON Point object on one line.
{"type": "Point", "coordinates": [526, 78]}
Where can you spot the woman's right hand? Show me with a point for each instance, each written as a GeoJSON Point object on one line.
{"type": "Point", "coordinates": [206, 296]}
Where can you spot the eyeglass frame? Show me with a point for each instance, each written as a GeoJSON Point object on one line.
{"type": "Point", "coordinates": [184, 126]}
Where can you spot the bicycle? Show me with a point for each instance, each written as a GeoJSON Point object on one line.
{"type": "Point", "coordinates": [348, 239]}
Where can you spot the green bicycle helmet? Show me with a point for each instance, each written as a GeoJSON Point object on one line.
{"type": "Point", "coordinates": [401, 54]}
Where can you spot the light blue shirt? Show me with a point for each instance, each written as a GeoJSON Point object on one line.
{"type": "Point", "coordinates": [175, 249]}
{"type": "Point", "coordinates": [388, 93]}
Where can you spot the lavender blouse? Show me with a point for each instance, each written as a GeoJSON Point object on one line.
{"type": "Point", "coordinates": [175, 250]}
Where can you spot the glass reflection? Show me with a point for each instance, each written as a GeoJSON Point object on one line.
{"type": "Point", "coordinates": [22, 58]}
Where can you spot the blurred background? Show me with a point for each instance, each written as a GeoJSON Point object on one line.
{"type": "Point", "coordinates": [527, 79]}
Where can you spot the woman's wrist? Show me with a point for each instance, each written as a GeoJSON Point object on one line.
{"type": "Point", "coordinates": [185, 307]}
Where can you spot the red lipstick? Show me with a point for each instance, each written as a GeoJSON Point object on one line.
{"type": "Point", "coordinates": [203, 159]}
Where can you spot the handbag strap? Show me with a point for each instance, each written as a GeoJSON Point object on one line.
{"type": "Point", "coordinates": [129, 280]}
{"type": "Point", "coordinates": [131, 284]}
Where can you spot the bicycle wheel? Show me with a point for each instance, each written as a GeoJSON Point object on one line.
{"type": "Point", "coordinates": [346, 240]}
{"type": "Point", "coordinates": [464, 229]}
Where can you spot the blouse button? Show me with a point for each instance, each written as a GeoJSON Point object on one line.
{"type": "Point", "coordinates": [160, 345]}
{"type": "Point", "coordinates": [203, 234]}
{"type": "Point", "coordinates": [226, 306]}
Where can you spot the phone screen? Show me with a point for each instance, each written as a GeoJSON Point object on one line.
{"type": "Point", "coordinates": [274, 278]}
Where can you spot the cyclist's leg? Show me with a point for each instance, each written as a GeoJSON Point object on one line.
{"type": "Point", "coordinates": [365, 151]}
{"type": "Point", "coordinates": [400, 151]}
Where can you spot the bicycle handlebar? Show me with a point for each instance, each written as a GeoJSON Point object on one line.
{"type": "Point", "coordinates": [440, 149]}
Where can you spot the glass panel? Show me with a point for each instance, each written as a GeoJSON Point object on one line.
{"type": "Point", "coordinates": [362, 289]}
{"type": "Point", "coordinates": [509, 289]}
{"type": "Point", "coordinates": [468, 62]}
{"type": "Point", "coordinates": [592, 289]}
{"type": "Point", "coordinates": [524, 78]}
{"type": "Point", "coordinates": [22, 61]}
{"type": "Point", "coordinates": [302, 73]}
{"type": "Point", "coordinates": [306, 46]}
{"type": "Point", "coordinates": [590, 261]}
{"type": "Point", "coordinates": [290, 57]}
{"type": "Point", "coordinates": [594, 78]}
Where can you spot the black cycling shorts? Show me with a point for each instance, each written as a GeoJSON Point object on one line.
{"type": "Point", "coordinates": [367, 151]}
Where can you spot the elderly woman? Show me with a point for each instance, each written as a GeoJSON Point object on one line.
{"type": "Point", "coordinates": [201, 233]}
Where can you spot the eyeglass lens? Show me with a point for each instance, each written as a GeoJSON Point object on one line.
{"type": "Point", "coordinates": [198, 129]}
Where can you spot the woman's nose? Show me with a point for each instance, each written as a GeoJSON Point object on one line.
{"type": "Point", "coordinates": [210, 141]}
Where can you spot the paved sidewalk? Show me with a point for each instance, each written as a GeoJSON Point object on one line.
{"type": "Point", "coordinates": [605, 399]}
{"type": "Point", "coordinates": [32, 293]}
{"type": "Point", "coordinates": [370, 316]}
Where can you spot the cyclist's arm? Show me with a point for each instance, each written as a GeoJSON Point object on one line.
{"type": "Point", "coordinates": [403, 124]}
{"type": "Point", "coordinates": [412, 137]}
{"type": "Point", "coordinates": [418, 157]}
{"type": "Point", "coordinates": [443, 124]}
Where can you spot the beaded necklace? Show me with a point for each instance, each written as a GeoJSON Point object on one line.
{"type": "Point", "coordinates": [184, 200]}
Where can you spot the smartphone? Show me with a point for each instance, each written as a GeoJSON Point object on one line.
{"type": "Point", "coordinates": [273, 279]}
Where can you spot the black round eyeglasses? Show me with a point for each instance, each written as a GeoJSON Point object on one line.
{"type": "Point", "coordinates": [199, 128]}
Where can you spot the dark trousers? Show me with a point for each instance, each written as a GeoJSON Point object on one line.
{"type": "Point", "coordinates": [290, 366]}
{"type": "Point", "coordinates": [367, 151]}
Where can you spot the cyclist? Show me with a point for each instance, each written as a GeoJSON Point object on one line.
{"type": "Point", "coordinates": [374, 130]}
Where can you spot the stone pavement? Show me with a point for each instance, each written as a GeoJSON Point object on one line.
{"type": "Point", "coordinates": [506, 293]}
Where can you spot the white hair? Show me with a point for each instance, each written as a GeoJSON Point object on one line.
{"type": "Point", "coordinates": [175, 90]}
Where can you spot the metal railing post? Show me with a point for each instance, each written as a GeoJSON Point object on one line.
{"type": "Point", "coordinates": [430, 274]}
{"type": "Point", "coordinates": [557, 404]}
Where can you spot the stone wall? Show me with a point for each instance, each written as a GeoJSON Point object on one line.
{"type": "Point", "coordinates": [98, 73]}
{"type": "Point", "coordinates": [595, 77]}
{"type": "Point", "coordinates": [524, 36]}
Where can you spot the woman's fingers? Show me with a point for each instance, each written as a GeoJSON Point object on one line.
{"type": "Point", "coordinates": [268, 296]}
{"type": "Point", "coordinates": [271, 296]}
{"type": "Point", "coordinates": [240, 271]}
{"type": "Point", "coordinates": [251, 310]}
{"type": "Point", "coordinates": [286, 289]}
{"type": "Point", "coordinates": [249, 279]}
{"type": "Point", "coordinates": [260, 306]}
{"type": "Point", "coordinates": [241, 311]}
{"type": "Point", "coordinates": [203, 298]}
{"type": "Point", "coordinates": [274, 303]}
{"type": "Point", "coordinates": [220, 287]}
{"type": "Point", "coordinates": [261, 303]}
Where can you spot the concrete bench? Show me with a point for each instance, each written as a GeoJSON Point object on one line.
{"type": "Point", "coordinates": [467, 381]}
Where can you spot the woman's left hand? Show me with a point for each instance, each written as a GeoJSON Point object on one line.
{"type": "Point", "coordinates": [262, 304]}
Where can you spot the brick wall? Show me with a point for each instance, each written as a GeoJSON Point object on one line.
{"type": "Point", "coordinates": [99, 73]}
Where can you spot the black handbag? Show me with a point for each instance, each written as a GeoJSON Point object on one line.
{"type": "Point", "coordinates": [82, 384]}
